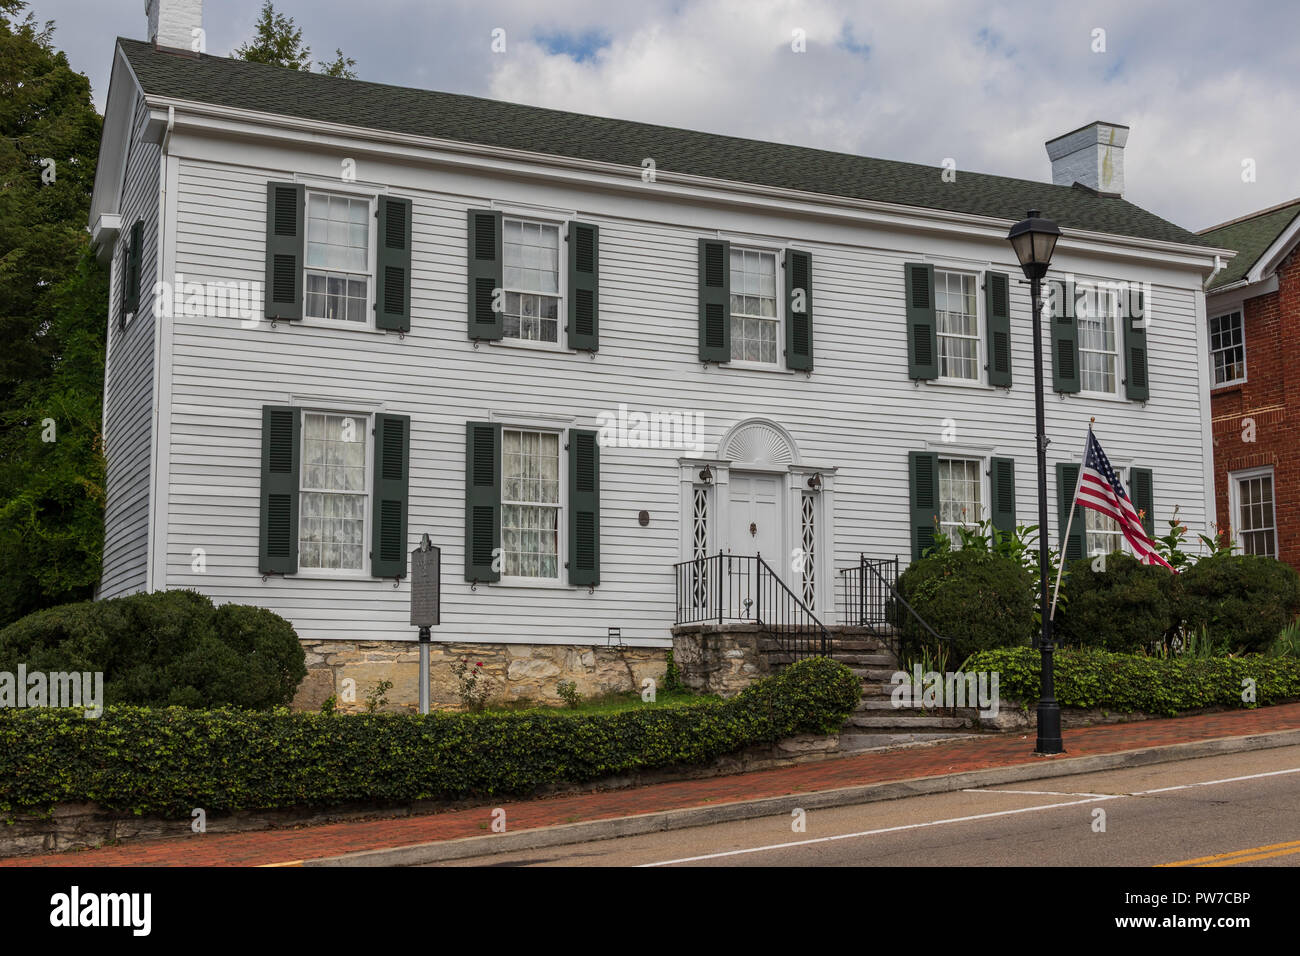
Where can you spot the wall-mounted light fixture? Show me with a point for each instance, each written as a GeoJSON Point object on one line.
{"type": "Point", "coordinates": [815, 481]}
{"type": "Point", "coordinates": [706, 475]}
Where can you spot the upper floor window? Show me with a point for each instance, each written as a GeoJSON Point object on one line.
{"type": "Point", "coordinates": [531, 512]}
{"type": "Point", "coordinates": [755, 318]}
{"type": "Point", "coordinates": [1252, 494]}
{"type": "Point", "coordinates": [338, 258]}
{"type": "Point", "coordinates": [1098, 321]}
{"type": "Point", "coordinates": [333, 501]}
{"type": "Point", "coordinates": [961, 485]}
{"type": "Point", "coordinates": [958, 324]}
{"type": "Point", "coordinates": [1228, 348]}
{"type": "Point", "coordinates": [531, 252]}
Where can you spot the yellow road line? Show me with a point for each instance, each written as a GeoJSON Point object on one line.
{"type": "Point", "coordinates": [1258, 856]}
{"type": "Point", "coordinates": [1238, 856]}
{"type": "Point", "coordinates": [287, 863]}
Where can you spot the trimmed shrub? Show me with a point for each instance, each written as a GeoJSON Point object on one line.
{"type": "Point", "coordinates": [976, 599]}
{"type": "Point", "coordinates": [1242, 600]}
{"type": "Point", "coordinates": [1127, 607]}
{"type": "Point", "coordinates": [168, 648]}
{"type": "Point", "coordinates": [166, 761]}
{"type": "Point", "coordinates": [1153, 685]}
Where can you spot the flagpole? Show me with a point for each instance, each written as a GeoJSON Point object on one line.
{"type": "Point", "coordinates": [1069, 523]}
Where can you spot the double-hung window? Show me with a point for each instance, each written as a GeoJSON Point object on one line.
{"type": "Point", "coordinates": [1099, 326]}
{"type": "Point", "coordinates": [958, 327]}
{"type": "Point", "coordinates": [334, 492]}
{"type": "Point", "coordinates": [961, 495]}
{"type": "Point", "coordinates": [531, 510]}
{"type": "Point", "coordinates": [755, 310]}
{"type": "Point", "coordinates": [1252, 494]}
{"type": "Point", "coordinates": [338, 260]}
{"type": "Point", "coordinates": [531, 252]}
{"type": "Point", "coordinates": [1103, 532]}
{"type": "Point", "coordinates": [1228, 349]}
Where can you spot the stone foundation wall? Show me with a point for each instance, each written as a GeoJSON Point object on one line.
{"type": "Point", "coordinates": [720, 659]}
{"type": "Point", "coordinates": [513, 673]}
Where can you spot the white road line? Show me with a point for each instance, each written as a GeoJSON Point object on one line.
{"type": "Point", "coordinates": [864, 833]}
{"type": "Point", "coordinates": [967, 819]}
{"type": "Point", "coordinates": [1043, 793]}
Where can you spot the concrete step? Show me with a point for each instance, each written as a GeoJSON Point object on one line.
{"type": "Point", "coordinates": [874, 675]}
{"type": "Point", "coordinates": [883, 721]}
{"type": "Point", "coordinates": [886, 706]}
{"type": "Point", "coordinates": [869, 644]}
{"type": "Point", "coordinates": [865, 659]}
{"type": "Point", "coordinates": [851, 742]}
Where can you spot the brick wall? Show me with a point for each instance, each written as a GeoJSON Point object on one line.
{"type": "Point", "coordinates": [1266, 407]}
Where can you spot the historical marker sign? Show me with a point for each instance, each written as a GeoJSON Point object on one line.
{"type": "Point", "coordinates": [426, 585]}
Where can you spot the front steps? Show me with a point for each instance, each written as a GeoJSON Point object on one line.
{"type": "Point", "coordinates": [876, 722]}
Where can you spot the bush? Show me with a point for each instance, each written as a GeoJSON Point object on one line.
{"type": "Point", "coordinates": [1153, 685]}
{"type": "Point", "coordinates": [168, 648]}
{"type": "Point", "coordinates": [1242, 600]}
{"type": "Point", "coordinates": [1127, 607]}
{"type": "Point", "coordinates": [976, 599]}
{"type": "Point", "coordinates": [167, 761]}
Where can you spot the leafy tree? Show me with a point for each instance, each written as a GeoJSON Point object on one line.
{"type": "Point", "coordinates": [277, 41]}
{"type": "Point", "coordinates": [53, 305]}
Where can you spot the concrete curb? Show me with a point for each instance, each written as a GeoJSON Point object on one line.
{"type": "Point", "coordinates": [570, 833]}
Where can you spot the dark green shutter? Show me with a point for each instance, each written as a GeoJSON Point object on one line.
{"type": "Point", "coordinates": [923, 483]}
{"type": "Point", "coordinates": [1136, 386]}
{"type": "Point", "coordinates": [798, 323]}
{"type": "Point", "coordinates": [1067, 476]}
{"type": "Point", "coordinates": [285, 228]}
{"type": "Point", "coordinates": [131, 280]}
{"type": "Point", "coordinates": [715, 300]}
{"type": "Point", "coordinates": [584, 286]}
{"type": "Point", "coordinates": [1003, 484]}
{"type": "Point", "coordinates": [1064, 335]}
{"type": "Point", "coordinates": [484, 255]}
{"type": "Point", "coordinates": [482, 500]}
{"type": "Point", "coordinates": [388, 503]}
{"type": "Point", "coordinates": [278, 531]}
{"type": "Point", "coordinates": [1142, 488]}
{"type": "Point", "coordinates": [393, 294]}
{"type": "Point", "coordinates": [922, 336]}
{"type": "Point", "coordinates": [584, 508]}
{"type": "Point", "coordinates": [997, 313]}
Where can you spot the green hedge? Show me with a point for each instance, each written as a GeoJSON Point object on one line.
{"type": "Point", "coordinates": [169, 761]}
{"type": "Point", "coordinates": [1153, 685]}
{"type": "Point", "coordinates": [1127, 607]}
{"type": "Point", "coordinates": [166, 648]}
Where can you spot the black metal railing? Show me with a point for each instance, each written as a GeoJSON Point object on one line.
{"type": "Point", "coordinates": [740, 588]}
{"type": "Point", "coordinates": [868, 597]}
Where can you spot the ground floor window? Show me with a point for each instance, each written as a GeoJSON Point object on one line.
{"type": "Point", "coordinates": [1254, 514]}
{"type": "Point", "coordinates": [531, 512]}
{"type": "Point", "coordinates": [961, 487]}
{"type": "Point", "coordinates": [333, 502]}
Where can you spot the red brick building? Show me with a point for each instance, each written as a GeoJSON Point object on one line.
{"type": "Point", "coordinates": [1253, 311]}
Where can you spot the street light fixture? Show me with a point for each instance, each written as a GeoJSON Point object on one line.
{"type": "Point", "coordinates": [1034, 240]}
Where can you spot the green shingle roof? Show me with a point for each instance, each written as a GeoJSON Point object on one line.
{"type": "Point", "coordinates": [1250, 236]}
{"type": "Point", "coordinates": [268, 89]}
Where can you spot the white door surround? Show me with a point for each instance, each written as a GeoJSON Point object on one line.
{"type": "Point", "coordinates": [759, 478]}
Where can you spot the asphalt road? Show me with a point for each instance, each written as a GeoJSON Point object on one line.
{"type": "Point", "coordinates": [1232, 810]}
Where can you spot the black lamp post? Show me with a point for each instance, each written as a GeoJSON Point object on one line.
{"type": "Point", "coordinates": [1034, 239]}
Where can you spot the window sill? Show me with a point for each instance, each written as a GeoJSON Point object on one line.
{"type": "Point", "coordinates": [330, 324]}
{"type": "Point", "coordinates": [961, 383]}
{"type": "Point", "coordinates": [318, 575]}
{"type": "Point", "coordinates": [529, 345]}
{"type": "Point", "coordinates": [1108, 397]}
{"type": "Point", "coordinates": [776, 369]}
{"type": "Point", "coordinates": [544, 584]}
{"type": "Point", "coordinates": [1227, 388]}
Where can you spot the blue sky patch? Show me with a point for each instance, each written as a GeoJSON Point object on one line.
{"type": "Point", "coordinates": [579, 47]}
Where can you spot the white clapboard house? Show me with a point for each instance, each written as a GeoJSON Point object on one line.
{"type": "Point", "coordinates": [578, 351]}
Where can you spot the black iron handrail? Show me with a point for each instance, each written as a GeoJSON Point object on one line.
{"type": "Point", "coordinates": [871, 599]}
{"type": "Point", "coordinates": [741, 588]}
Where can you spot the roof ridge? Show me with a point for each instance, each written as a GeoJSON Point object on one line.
{"type": "Point", "coordinates": [1249, 216]}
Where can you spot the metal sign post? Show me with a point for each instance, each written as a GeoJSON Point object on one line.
{"type": "Point", "coordinates": [426, 604]}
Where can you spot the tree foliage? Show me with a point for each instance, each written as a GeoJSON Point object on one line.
{"type": "Point", "coordinates": [277, 41]}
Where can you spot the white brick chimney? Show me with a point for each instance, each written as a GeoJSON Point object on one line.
{"type": "Point", "coordinates": [172, 24]}
{"type": "Point", "coordinates": [1092, 156]}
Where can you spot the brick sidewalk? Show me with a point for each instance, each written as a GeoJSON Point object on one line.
{"type": "Point", "coordinates": [332, 839]}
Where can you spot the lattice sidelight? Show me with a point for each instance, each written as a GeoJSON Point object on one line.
{"type": "Point", "coordinates": [699, 547]}
{"type": "Point", "coordinates": [808, 537]}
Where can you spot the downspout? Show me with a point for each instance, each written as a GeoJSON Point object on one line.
{"type": "Point", "coordinates": [157, 514]}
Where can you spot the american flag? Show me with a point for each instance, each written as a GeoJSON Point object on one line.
{"type": "Point", "coordinates": [1101, 490]}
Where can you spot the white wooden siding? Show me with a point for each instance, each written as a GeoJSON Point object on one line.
{"type": "Point", "coordinates": [858, 411]}
{"type": "Point", "coordinates": [128, 392]}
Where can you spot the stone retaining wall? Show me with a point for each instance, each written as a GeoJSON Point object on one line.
{"type": "Point", "coordinates": [513, 673]}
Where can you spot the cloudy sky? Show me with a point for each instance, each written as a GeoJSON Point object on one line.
{"type": "Point", "coordinates": [1203, 86]}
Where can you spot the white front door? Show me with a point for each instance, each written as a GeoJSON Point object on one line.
{"type": "Point", "coordinates": [755, 518]}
